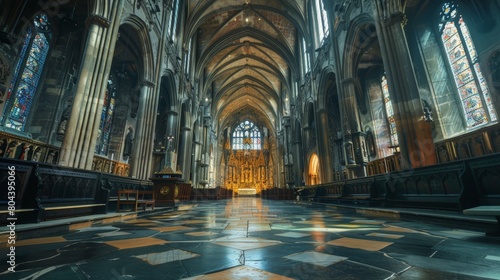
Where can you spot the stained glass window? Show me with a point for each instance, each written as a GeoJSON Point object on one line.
{"type": "Point", "coordinates": [307, 63]}
{"type": "Point", "coordinates": [473, 91]}
{"type": "Point", "coordinates": [389, 112]}
{"type": "Point", "coordinates": [108, 108]}
{"type": "Point", "coordinates": [173, 20]}
{"type": "Point", "coordinates": [321, 20]}
{"type": "Point", "coordinates": [27, 73]}
{"type": "Point", "coordinates": [247, 136]}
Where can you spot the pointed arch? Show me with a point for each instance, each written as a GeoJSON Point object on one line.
{"type": "Point", "coordinates": [313, 173]}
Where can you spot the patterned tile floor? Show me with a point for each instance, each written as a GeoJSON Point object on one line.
{"type": "Point", "coordinates": [250, 238]}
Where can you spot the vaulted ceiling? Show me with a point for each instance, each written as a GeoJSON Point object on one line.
{"type": "Point", "coordinates": [246, 56]}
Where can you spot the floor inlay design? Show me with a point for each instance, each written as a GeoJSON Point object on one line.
{"type": "Point", "coordinates": [251, 238]}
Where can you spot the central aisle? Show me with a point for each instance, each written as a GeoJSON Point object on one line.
{"type": "Point", "coordinates": [250, 238]}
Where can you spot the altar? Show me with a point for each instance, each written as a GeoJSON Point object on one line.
{"type": "Point", "coordinates": [247, 165]}
{"type": "Point", "coordinates": [246, 192]}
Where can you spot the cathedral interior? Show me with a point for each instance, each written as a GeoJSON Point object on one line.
{"type": "Point", "coordinates": [386, 103]}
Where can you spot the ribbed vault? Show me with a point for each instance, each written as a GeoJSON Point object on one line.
{"type": "Point", "coordinates": [246, 56]}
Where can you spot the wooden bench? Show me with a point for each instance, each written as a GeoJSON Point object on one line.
{"type": "Point", "coordinates": [486, 210]}
{"type": "Point", "coordinates": [330, 192]}
{"type": "Point", "coordinates": [437, 187]}
{"type": "Point", "coordinates": [135, 198]}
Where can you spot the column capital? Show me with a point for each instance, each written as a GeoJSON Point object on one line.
{"type": "Point", "coordinates": [98, 20]}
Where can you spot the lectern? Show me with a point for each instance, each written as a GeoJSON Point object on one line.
{"type": "Point", "coordinates": [166, 186]}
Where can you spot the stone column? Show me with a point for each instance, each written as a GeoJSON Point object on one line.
{"type": "Point", "coordinates": [297, 149]}
{"type": "Point", "coordinates": [185, 154]}
{"type": "Point", "coordinates": [287, 153]}
{"type": "Point", "coordinates": [142, 156]}
{"type": "Point", "coordinates": [205, 154]}
{"type": "Point", "coordinates": [323, 144]}
{"type": "Point", "coordinates": [197, 150]}
{"type": "Point", "coordinates": [414, 134]}
{"type": "Point", "coordinates": [354, 143]}
{"type": "Point", "coordinates": [171, 123]}
{"type": "Point", "coordinates": [77, 149]}
{"type": "Point", "coordinates": [342, 146]}
{"type": "Point", "coordinates": [171, 138]}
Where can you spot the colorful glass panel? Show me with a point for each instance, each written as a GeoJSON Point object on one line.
{"type": "Point", "coordinates": [20, 63]}
{"type": "Point", "coordinates": [104, 134]}
{"type": "Point", "coordinates": [42, 22]}
{"type": "Point", "coordinates": [389, 111]}
{"type": "Point", "coordinates": [472, 103]}
{"type": "Point", "coordinates": [461, 53]}
{"type": "Point", "coordinates": [448, 11]}
{"type": "Point", "coordinates": [246, 134]}
{"type": "Point", "coordinates": [27, 85]}
{"type": "Point", "coordinates": [467, 39]}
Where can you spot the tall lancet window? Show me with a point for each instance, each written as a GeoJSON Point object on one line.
{"type": "Point", "coordinates": [321, 20]}
{"type": "Point", "coordinates": [247, 136]}
{"type": "Point", "coordinates": [106, 118]}
{"type": "Point", "coordinates": [27, 73]}
{"type": "Point", "coordinates": [462, 57]}
{"type": "Point", "coordinates": [389, 111]}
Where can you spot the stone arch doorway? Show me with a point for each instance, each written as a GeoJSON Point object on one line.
{"type": "Point", "coordinates": [313, 177]}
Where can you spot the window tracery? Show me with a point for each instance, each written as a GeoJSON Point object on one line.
{"type": "Point", "coordinates": [246, 136]}
{"type": "Point", "coordinates": [27, 73]}
{"type": "Point", "coordinates": [462, 57]}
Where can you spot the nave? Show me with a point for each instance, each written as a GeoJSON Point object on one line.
{"type": "Point", "coordinates": [251, 238]}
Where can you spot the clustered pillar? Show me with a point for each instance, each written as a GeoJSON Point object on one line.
{"type": "Point", "coordinates": [141, 154]}
{"type": "Point", "coordinates": [79, 143]}
{"type": "Point", "coordinates": [414, 134]}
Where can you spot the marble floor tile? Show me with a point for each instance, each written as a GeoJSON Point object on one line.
{"type": "Point", "coordinates": [165, 257]}
{"type": "Point", "coordinates": [316, 258]}
{"type": "Point", "coordinates": [113, 233]}
{"type": "Point", "coordinates": [253, 238]}
{"type": "Point", "coordinates": [40, 241]}
{"type": "Point", "coordinates": [172, 228]}
{"type": "Point", "coordinates": [200, 233]}
{"type": "Point", "coordinates": [363, 244]}
{"type": "Point", "coordinates": [246, 243]}
{"type": "Point", "coordinates": [292, 234]}
{"type": "Point", "coordinates": [385, 235]}
{"type": "Point", "coordinates": [135, 242]}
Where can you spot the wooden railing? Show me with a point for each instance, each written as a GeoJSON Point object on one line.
{"type": "Point", "coordinates": [22, 148]}
{"type": "Point", "coordinates": [482, 142]}
{"type": "Point", "coordinates": [105, 165]}
{"type": "Point", "coordinates": [384, 165]}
